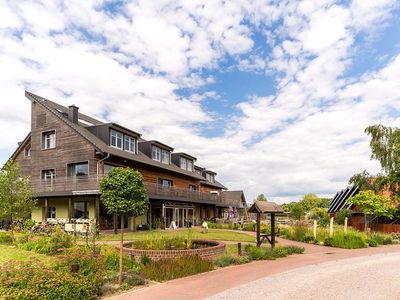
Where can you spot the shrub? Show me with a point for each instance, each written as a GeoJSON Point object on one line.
{"type": "Point", "coordinates": [90, 266]}
{"type": "Point", "coordinates": [269, 254]}
{"type": "Point", "coordinates": [309, 238]}
{"type": "Point", "coordinates": [167, 269]}
{"type": "Point", "coordinates": [51, 245]}
{"type": "Point", "coordinates": [341, 215]}
{"type": "Point", "coordinates": [227, 260]}
{"type": "Point", "coordinates": [133, 279]}
{"type": "Point", "coordinates": [294, 250]}
{"type": "Point", "coordinates": [111, 260]}
{"type": "Point", "coordinates": [5, 238]}
{"type": "Point", "coordinates": [28, 224]}
{"type": "Point", "coordinates": [351, 240]}
{"type": "Point", "coordinates": [372, 242]}
{"type": "Point", "coordinates": [299, 233]}
{"type": "Point", "coordinates": [377, 237]}
{"type": "Point", "coordinates": [285, 232]}
{"type": "Point", "coordinates": [249, 227]}
{"type": "Point", "coordinates": [281, 251]}
{"type": "Point", "coordinates": [34, 280]}
{"type": "Point", "coordinates": [145, 260]}
{"type": "Point", "coordinates": [253, 252]}
{"type": "Point", "coordinates": [388, 240]}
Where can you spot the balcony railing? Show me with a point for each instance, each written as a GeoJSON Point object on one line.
{"type": "Point", "coordinates": [90, 184]}
{"type": "Point", "coordinates": [180, 194]}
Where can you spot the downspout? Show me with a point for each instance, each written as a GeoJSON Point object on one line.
{"type": "Point", "coordinates": [98, 163]}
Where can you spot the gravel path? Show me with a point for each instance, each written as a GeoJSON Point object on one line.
{"type": "Point", "coordinates": [368, 277]}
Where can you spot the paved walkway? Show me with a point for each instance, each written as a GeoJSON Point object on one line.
{"type": "Point", "coordinates": [208, 284]}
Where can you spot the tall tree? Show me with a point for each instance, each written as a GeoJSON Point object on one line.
{"type": "Point", "coordinates": [260, 197]}
{"type": "Point", "coordinates": [372, 204]}
{"type": "Point", "coordinates": [123, 193]}
{"type": "Point", "coordinates": [385, 146]}
{"type": "Point", "coordinates": [16, 200]}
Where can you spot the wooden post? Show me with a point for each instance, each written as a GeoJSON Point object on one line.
{"type": "Point", "coordinates": [315, 229]}
{"type": "Point", "coordinates": [239, 248]}
{"type": "Point", "coordinates": [345, 224]}
{"type": "Point", "coordinates": [331, 227]}
{"type": "Point", "coordinates": [258, 229]}
{"type": "Point", "coordinates": [272, 230]}
{"type": "Point", "coordinates": [46, 209]}
{"type": "Point", "coordinates": [70, 209]}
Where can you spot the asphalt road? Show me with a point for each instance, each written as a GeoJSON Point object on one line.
{"type": "Point", "coordinates": [368, 277]}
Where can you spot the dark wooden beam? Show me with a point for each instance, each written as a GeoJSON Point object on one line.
{"type": "Point", "coordinates": [46, 209]}
{"type": "Point", "coordinates": [97, 209]}
{"type": "Point", "coordinates": [272, 230]}
{"type": "Point", "coordinates": [258, 229]}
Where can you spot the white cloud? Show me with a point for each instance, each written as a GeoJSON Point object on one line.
{"type": "Point", "coordinates": [307, 137]}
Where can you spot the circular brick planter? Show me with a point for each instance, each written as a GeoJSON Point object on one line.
{"type": "Point", "coordinates": [212, 251]}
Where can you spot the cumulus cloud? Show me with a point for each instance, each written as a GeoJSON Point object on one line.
{"type": "Point", "coordinates": [128, 63]}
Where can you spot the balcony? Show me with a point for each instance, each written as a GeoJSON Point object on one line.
{"type": "Point", "coordinates": [156, 191]}
{"type": "Point", "coordinates": [90, 185]}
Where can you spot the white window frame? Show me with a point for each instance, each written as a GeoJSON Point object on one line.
{"type": "Point", "coordinates": [186, 164]}
{"type": "Point", "coordinates": [50, 177]}
{"type": "Point", "coordinates": [165, 156]}
{"type": "Point", "coordinates": [117, 136]}
{"type": "Point", "coordinates": [210, 177]}
{"type": "Point", "coordinates": [48, 139]}
{"type": "Point", "coordinates": [156, 153]}
{"type": "Point", "coordinates": [129, 144]}
{"type": "Point", "coordinates": [51, 212]}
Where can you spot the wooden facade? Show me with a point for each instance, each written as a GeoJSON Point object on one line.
{"type": "Point", "coordinates": [74, 143]}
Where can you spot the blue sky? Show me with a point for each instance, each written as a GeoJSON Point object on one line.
{"type": "Point", "coordinates": [272, 95]}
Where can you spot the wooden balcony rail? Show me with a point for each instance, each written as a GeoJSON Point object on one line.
{"type": "Point", "coordinates": [91, 183]}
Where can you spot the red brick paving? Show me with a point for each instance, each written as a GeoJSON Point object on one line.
{"type": "Point", "coordinates": [207, 284]}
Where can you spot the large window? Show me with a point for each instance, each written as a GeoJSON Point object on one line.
{"type": "Point", "coordinates": [166, 183]}
{"type": "Point", "coordinates": [48, 175]}
{"type": "Point", "coordinates": [116, 139]}
{"type": "Point", "coordinates": [129, 144]}
{"type": "Point", "coordinates": [210, 177]}
{"type": "Point", "coordinates": [107, 168]}
{"type": "Point", "coordinates": [49, 139]}
{"type": "Point", "coordinates": [160, 155]}
{"type": "Point", "coordinates": [187, 164]}
{"type": "Point", "coordinates": [165, 156]}
{"type": "Point", "coordinates": [51, 212]}
{"type": "Point", "coordinates": [81, 210]}
{"type": "Point", "coordinates": [78, 170]}
{"type": "Point", "coordinates": [192, 187]}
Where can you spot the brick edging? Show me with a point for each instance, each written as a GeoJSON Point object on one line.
{"type": "Point", "coordinates": [212, 252]}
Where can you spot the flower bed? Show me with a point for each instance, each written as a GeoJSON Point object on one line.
{"type": "Point", "coordinates": [210, 250]}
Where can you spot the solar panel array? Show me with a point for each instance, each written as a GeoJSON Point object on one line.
{"type": "Point", "coordinates": [339, 201]}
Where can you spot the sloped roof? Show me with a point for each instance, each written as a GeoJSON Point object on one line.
{"type": "Point", "coordinates": [237, 198]}
{"type": "Point", "coordinates": [103, 147]}
{"type": "Point", "coordinates": [216, 184]}
{"type": "Point", "coordinates": [265, 207]}
{"type": "Point", "coordinates": [339, 201]}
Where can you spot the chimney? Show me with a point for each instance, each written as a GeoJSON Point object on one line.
{"type": "Point", "coordinates": [73, 113]}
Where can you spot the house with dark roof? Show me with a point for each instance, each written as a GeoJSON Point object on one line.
{"type": "Point", "coordinates": [66, 153]}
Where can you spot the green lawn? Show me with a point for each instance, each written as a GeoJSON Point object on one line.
{"type": "Point", "coordinates": [14, 253]}
{"type": "Point", "coordinates": [213, 234]}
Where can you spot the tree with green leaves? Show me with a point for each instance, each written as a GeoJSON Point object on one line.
{"type": "Point", "coordinates": [260, 197]}
{"type": "Point", "coordinates": [296, 211]}
{"type": "Point", "coordinates": [123, 193]}
{"type": "Point", "coordinates": [321, 215]}
{"type": "Point", "coordinates": [16, 200]}
{"type": "Point", "coordinates": [342, 215]}
{"type": "Point", "coordinates": [372, 204]}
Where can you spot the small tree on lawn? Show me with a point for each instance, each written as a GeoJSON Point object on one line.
{"type": "Point", "coordinates": [372, 204]}
{"type": "Point", "coordinates": [16, 201]}
{"type": "Point", "coordinates": [124, 194]}
{"type": "Point", "coordinates": [296, 211]}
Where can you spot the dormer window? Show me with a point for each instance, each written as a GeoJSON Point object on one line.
{"type": "Point", "coordinates": [186, 164]}
{"type": "Point", "coordinates": [210, 177]}
{"type": "Point", "coordinates": [160, 155]}
{"type": "Point", "coordinates": [116, 139]}
{"type": "Point", "coordinates": [129, 144]}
